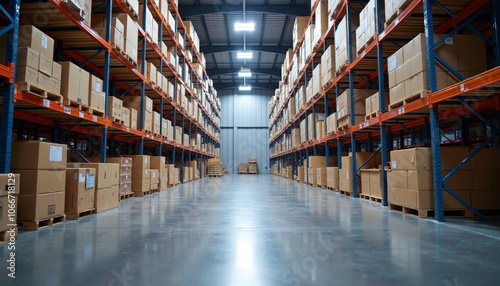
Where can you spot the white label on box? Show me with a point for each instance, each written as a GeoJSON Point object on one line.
{"type": "Point", "coordinates": [90, 181]}
{"type": "Point", "coordinates": [394, 164]}
{"type": "Point", "coordinates": [55, 154]}
{"type": "Point", "coordinates": [103, 94]}
{"type": "Point", "coordinates": [44, 41]}
{"type": "Point", "coordinates": [145, 160]}
{"type": "Point", "coordinates": [81, 179]}
{"type": "Point", "coordinates": [97, 86]}
{"type": "Point", "coordinates": [392, 63]}
{"type": "Point", "coordinates": [448, 41]}
{"type": "Point", "coordinates": [94, 118]}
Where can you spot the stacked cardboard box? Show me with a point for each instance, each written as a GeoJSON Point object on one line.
{"type": "Point", "coordinates": [331, 124]}
{"type": "Point", "coordinates": [295, 137]}
{"type": "Point", "coordinates": [485, 168]}
{"type": "Point", "coordinates": [96, 95]}
{"type": "Point", "coordinates": [322, 21]}
{"type": "Point", "coordinates": [372, 104]}
{"type": "Point", "coordinates": [158, 163]}
{"type": "Point", "coordinates": [301, 174]}
{"type": "Point", "coordinates": [115, 109]}
{"type": "Point", "coordinates": [346, 172]}
{"type": "Point", "coordinates": [9, 185]}
{"type": "Point", "coordinates": [328, 67]}
{"type": "Point", "coordinates": [42, 169]}
{"type": "Point", "coordinates": [333, 7]}
{"type": "Point", "coordinates": [35, 65]}
{"type": "Point", "coordinates": [154, 179]}
{"type": "Point", "coordinates": [407, 68]}
{"type": "Point", "coordinates": [321, 177]}
{"type": "Point", "coordinates": [344, 106]}
{"type": "Point", "coordinates": [252, 166]}
{"type": "Point", "coordinates": [371, 182]}
{"type": "Point", "coordinates": [82, 8]}
{"type": "Point", "coordinates": [107, 180]}
{"type": "Point", "coordinates": [366, 31]}
{"type": "Point", "coordinates": [141, 181]}
{"type": "Point", "coordinates": [242, 168]}
{"type": "Point", "coordinates": [131, 35]}
{"type": "Point", "coordinates": [298, 29]}
{"type": "Point", "coordinates": [173, 175]}
{"type": "Point", "coordinates": [332, 178]}
{"type": "Point", "coordinates": [134, 102]}
{"type": "Point", "coordinates": [75, 84]}
{"type": "Point", "coordinates": [392, 8]}
{"type": "Point", "coordinates": [341, 41]}
{"type": "Point", "coordinates": [80, 191]}
{"type": "Point", "coordinates": [314, 163]}
{"type": "Point", "coordinates": [125, 181]}
{"type": "Point", "coordinates": [117, 38]}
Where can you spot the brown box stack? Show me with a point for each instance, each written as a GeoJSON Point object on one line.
{"type": "Point", "coordinates": [332, 178]}
{"type": "Point", "coordinates": [158, 163]}
{"type": "Point", "coordinates": [117, 39]}
{"type": "Point", "coordinates": [347, 169]}
{"type": "Point", "coordinates": [321, 23]}
{"type": "Point", "coordinates": [366, 31]}
{"type": "Point", "coordinates": [328, 65]}
{"type": "Point", "coordinates": [321, 177]}
{"type": "Point", "coordinates": [344, 106]}
{"type": "Point", "coordinates": [42, 169]}
{"type": "Point", "coordinates": [341, 50]}
{"type": "Point", "coordinates": [408, 66]}
{"type": "Point", "coordinates": [115, 109]}
{"type": "Point", "coordinates": [96, 96]}
{"type": "Point", "coordinates": [131, 33]}
{"type": "Point", "coordinates": [75, 87]}
{"type": "Point", "coordinates": [9, 185]}
{"type": "Point", "coordinates": [80, 191]}
{"type": "Point", "coordinates": [485, 168]}
{"type": "Point", "coordinates": [125, 182]}
{"type": "Point", "coordinates": [298, 29]}
{"type": "Point", "coordinates": [140, 174]}
{"type": "Point", "coordinates": [252, 166]}
{"type": "Point", "coordinates": [242, 168]}
{"type": "Point", "coordinates": [134, 103]}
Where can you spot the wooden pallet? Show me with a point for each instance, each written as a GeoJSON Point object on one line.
{"type": "Point", "coordinates": [407, 100]}
{"type": "Point", "coordinates": [371, 115]}
{"type": "Point", "coordinates": [335, 10]}
{"type": "Point", "coordinates": [215, 175]}
{"type": "Point", "coordinates": [131, 61]}
{"type": "Point", "coordinates": [252, 173]}
{"type": "Point", "coordinates": [344, 127]}
{"type": "Point", "coordinates": [116, 120]}
{"type": "Point", "coordinates": [41, 224]}
{"type": "Point", "coordinates": [118, 49]}
{"type": "Point", "coordinates": [370, 198]}
{"type": "Point", "coordinates": [396, 13]}
{"type": "Point", "coordinates": [126, 196]}
{"type": "Point", "coordinates": [34, 90]}
{"type": "Point", "coordinates": [242, 173]}
{"type": "Point", "coordinates": [345, 193]}
{"type": "Point", "coordinates": [6, 235]}
{"type": "Point", "coordinates": [320, 186]}
{"type": "Point", "coordinates": [368, 43]}
{"type": "Point", "coordinates": [154, 191]}
{"type": "Point", "coordinates": [142, 194]}
{"type": "Point", "coordinates": [342, 68]}
{"type": "Point", "coordinates": [331, 189]}
{"type": "Point", "coordinates": [134, 14]}
{"type": "Point", "coordinates": [96, 112]}
{"type": "Point", "coordinates": [76, 104]}
{"type": "Point", "coordinates": [328, 83]}
{"type": "Point", "coordinates": [79, 215]}
{"type": "Point", "coordinates": [427, 213]}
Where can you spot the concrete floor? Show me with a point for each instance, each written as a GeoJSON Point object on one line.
{"type": "Point", "coordinates": [256, 230]}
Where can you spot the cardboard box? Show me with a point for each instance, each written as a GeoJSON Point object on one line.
{"type": "Point", "coordinates": [141, 174]}
{"type": "Point", "coordinates": [75, 83]}
{"type": "Point", "coordinates": [80, 189]}
{"type": "Point", "coordinates": [45, 65]}
{"type": "Point", "coordinates": [39, 207]}
{"type": "Point", "coordinates": [36, 182]}
{"type": "Point", "coordinates": [44, 81]}
{"type": "Point", "coordinates": [95, 84]}
{"type": "Point", "coordinates": [361, 158]}
{"type": "Point", "coordinates": [141, 162]}
{"type": "Point", "coordinates": [141, 186]}
{"type": "Point", "coordinates": [154, 176]}
{"type": "Point", "coordinates": [126, 116]}
{"type": "Point", "coordinates": [420, 180]}
{"type": "Point", "coordinates": [55, 85]}
{"type": "Point", "coordinates": [30, 36]}
{"type": "Point", "coordinates": [483, 179]}
{"type": "Point", "coordinates": [97, 101]}
{"type": "Point", "coordinates": [396, 195]}
{"type": "Point", "coordinates": [485, 199]}
{"type": "Point", "coordinates": [106, 199]}
{"type": "Point", "coordinates": [412, 159]}
{"type": "Point", "coordinates": [28, 57]}
{"type": "Point", "coordinates": [397, 179]}
{"type": "Point", "coordinates": [157, 162]}
{"type": "Point", "coordinates": [32, 155]}
{"type": "Point", "coordinates": [452, 156]}
{"type": "Point", "coordinates": [486, 159]}
{"type": "Point", "coordinates": [10, 184]}
{"type": "Point", "coordinates": [27, 74]}
{"type": "Point", "coordinates": [133, 118]}
{"type": "Point", "coordinates": [107, 174]}
{"type": "Point", "coordinates": [4, 213]}
{"type": "Point", "coordinates": [131, 33]}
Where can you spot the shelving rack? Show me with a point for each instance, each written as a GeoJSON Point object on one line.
{"type": "Point", "coordinates": [29, 115]}
{"type": "Point", "coordinates": [421, 122]}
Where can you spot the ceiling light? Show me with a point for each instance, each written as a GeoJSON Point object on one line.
{"type": "Point", "coordinates": [246, 26]}
{"type": "Point", "coordinates": [245, 87]}
{"type": "Point", "coordinates": [244, 55]}
{"type": "Point", "coordinates": [245, 73]}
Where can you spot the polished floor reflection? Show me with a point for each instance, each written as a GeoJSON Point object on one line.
{"type": "Point", "coordinates": [256, 230]}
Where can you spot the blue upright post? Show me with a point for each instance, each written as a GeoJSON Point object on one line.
{"type": "Point", "coordinates": [434, 120]}
{"type": "Point", "coordinates": [351, 98]}
{"type": "Point", "coordinates": [7, 121]}
{"type": "Point", "coordinates": [382, 103]}
{"type": "Point", "coordinates": [107, 63]}
{"type": "Point", "coordinates": [496, 30]}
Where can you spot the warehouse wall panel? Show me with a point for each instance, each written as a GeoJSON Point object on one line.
{"type": "Point", "coordinates": [244, 131]}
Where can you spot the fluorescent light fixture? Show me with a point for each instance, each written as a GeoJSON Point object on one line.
{"type": "Point", "coordinates": [244, 55]}
{"type": "Point", "coordinates": [245, 87]}
{"type": "Point", "coordinates": [245, 73]}
{"type": "Point", "coordinates": [246, 26]}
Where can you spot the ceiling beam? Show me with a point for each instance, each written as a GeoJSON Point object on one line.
{"type": "Point", "coordinates": [215, 72]}
{"type": "Point", "coordinates": [271, 86]}
{"type": "Point", "coordinates": [229, 48]}
{"type": "Point", "coordinates": [298, 10]}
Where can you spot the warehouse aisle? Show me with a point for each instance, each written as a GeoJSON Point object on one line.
{"type": "Point", "coordinates": [255, 230]}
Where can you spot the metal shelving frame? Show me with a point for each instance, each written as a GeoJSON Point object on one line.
{"type": "Point", "coordinates": [387, 124]}
{"type": "Point", "coordinates": [110, 133]}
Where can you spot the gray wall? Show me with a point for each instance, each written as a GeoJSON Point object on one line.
{"type": "Point", "coordinates": [245, 130]}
